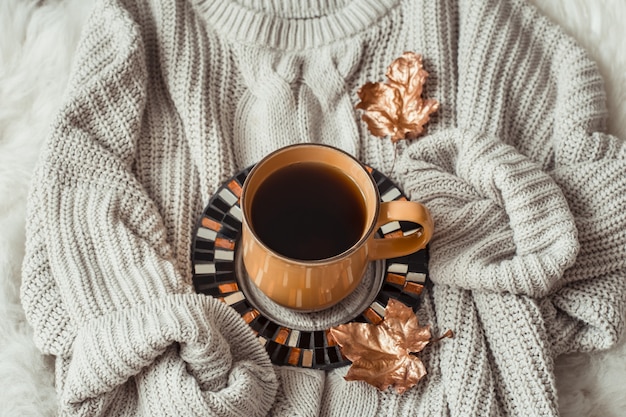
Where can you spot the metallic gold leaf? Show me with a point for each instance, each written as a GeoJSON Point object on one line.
{"type": "Point", "coordinates": [383, 354]}
{"type": "Point", "coordinates": [397, 109]}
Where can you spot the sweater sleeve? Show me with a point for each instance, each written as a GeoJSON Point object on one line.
{"type": "Point", "coordinates": [527, 192]}
{"type": "Point", "coordinates": [588, 309]}
{"type": "Point", "coordinates": [100, 287]}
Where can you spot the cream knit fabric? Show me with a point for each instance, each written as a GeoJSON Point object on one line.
{"type": "Point", "coordinates": [168, 99]}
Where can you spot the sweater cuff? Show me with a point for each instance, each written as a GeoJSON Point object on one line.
{"type": "Point", "coordinates": [586, 315]}
{"type": "Point", "coordinates": [198, 335]}
{"type": "Point", "coordinates": [501, 223]}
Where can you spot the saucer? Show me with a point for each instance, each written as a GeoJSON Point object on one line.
{"type": "Point", "coordinates": [294, 338]}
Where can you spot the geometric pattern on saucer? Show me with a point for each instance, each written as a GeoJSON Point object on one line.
{"type": "Point", "coordinates": [214, 274]}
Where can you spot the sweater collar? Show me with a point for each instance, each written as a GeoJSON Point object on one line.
{"type": "Point", "coordinates": [288, 24]}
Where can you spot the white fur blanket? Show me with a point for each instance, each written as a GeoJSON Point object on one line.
{"type": "Point", "coordinates": [37, 41]}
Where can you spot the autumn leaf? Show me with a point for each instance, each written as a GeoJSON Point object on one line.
{"type": "Point", "coordinates": [383, 354]}
{"type": "Point", "coordinates": [397, 108]}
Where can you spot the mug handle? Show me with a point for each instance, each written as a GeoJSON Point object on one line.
{"type": "Point", "coordinates": [393, 247]}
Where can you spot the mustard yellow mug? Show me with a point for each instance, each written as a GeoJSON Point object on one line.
{"type": "Point", "coordinates": [310, 216]}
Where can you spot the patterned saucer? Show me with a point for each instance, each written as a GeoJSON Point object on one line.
{"type": "Point", "coordinates": [217, 272]}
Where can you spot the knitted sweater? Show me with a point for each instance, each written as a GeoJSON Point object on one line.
{"type": "Point", "coordinates": [168, 99]}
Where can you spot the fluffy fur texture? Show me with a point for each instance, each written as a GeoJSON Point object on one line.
{"type": "Point", "coordinates": [37, 41]}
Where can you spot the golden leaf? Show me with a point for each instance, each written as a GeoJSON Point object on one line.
{"type": "Point", "coordinates": [397, 108]}
{"type": "Point", "coordinates": [383, 354]}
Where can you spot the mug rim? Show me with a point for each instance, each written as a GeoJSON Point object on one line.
{"type": "Point", "coordinates": [369, 229]}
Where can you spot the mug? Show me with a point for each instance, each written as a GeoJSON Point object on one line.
{"type": "Point", "coordinates": [310, 217]}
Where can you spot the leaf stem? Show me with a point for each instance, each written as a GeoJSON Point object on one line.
{"type": "Point", "coordinates": [448, 333]}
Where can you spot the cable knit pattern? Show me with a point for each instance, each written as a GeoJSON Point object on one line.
{"type": "Point", "coordinates": [312, 90]}
{"type": "Point", "coordinates": [168, 99]}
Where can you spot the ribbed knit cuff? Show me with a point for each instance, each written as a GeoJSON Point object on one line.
{"type": "Point", "coordinates": [501, 223]}
{"type": "Point", "coordinates": [217, 355]}
{"type": "Point", "coordinates": [586, 315]}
